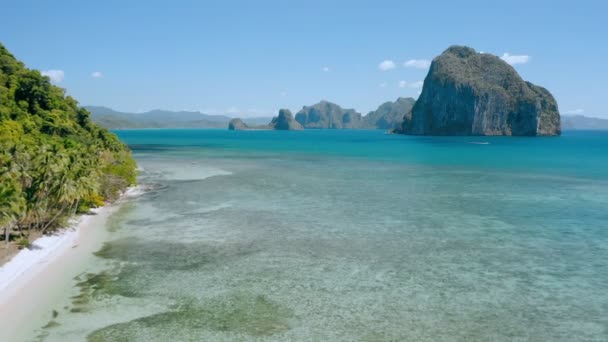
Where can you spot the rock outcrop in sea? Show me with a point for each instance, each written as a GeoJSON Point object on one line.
{"type": "Point", "coordinates": [470, 93]}
{"type": "Point", "coordinates": [328, 115]}
{"type": "Point", "coordinates": [389, 115]}
{"type": "Point", "coordinates": [237, 124]}
{"type": "Point", "coordinates": [285, 121]}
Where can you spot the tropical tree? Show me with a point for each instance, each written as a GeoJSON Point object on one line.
{"type": "Point", "coordinates": [11, 206]}
{"type": "Point", "coordinates": [52, 157]}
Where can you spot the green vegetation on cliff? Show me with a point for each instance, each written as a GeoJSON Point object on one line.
{"type": "Point", "coordinates": [328, 115]}
{"type": "Point", "coordinates": [389, 115]}
{"type": "Point", "coordinates": [470, 93]}
{"type": "Point", "coordinates": [54, 161]}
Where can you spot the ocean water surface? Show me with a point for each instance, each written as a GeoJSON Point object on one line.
{"type": "Point", "coordinates": [350, 236]}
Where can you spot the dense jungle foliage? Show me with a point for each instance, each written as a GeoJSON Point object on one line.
{"type": "Point", "coordinates": [54, 162]}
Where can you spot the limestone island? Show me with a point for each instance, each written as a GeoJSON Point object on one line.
{"type": "Point", "coordinates": [471, 93]}
{"type": "Point", "coordinates": [283, 122]}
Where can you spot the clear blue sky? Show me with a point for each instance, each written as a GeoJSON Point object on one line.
{"type": "Point", "coordinates": [250, 58]}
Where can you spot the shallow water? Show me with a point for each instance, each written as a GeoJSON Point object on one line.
{"type": "Point", "coordinates": [351, 235]}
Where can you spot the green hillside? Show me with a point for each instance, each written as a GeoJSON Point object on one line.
{"type": "Point", "coordinates": [54, 161]}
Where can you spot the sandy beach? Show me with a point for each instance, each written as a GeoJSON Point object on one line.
{"type": "Point", "coordinates": [35, 277]}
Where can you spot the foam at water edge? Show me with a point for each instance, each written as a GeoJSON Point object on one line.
{"type": "Point", "coordinates": [134, 191]}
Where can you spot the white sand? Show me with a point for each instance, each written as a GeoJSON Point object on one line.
{"type": "Point", "coordinates": [36, 277]}
{"type": "Point", "coordinates": [42, 251]}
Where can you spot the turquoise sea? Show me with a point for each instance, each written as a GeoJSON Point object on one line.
{"type": "Point", "coordinates": [333, 235]}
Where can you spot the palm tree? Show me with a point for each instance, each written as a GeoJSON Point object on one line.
{"type": "Point", "coordinates": [11, 205]}
{"type": "Point", "coordinates": [14, 178]}
{"type": "Point", "coordinates": [63, 193]}
{"type": "Point", "coordinates": [61, 187]}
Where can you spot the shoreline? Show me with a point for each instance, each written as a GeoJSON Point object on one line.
{"type": "Point", "coordinates": [34, 276]}
{"type": "Point", "coordinates": [44, 249]}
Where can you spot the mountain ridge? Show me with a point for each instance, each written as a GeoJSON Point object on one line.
{"type": "Point", "coordinates": [573, 122]}
{"type": "Point", "coordinates": [159, 118]}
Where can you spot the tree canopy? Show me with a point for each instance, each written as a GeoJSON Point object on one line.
{"type": "Point", "coordinates": [54, 161]}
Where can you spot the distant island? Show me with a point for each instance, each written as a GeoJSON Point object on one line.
{"type": "Point", "coordinates": [322, 115]}
{"type": "Point", "coordinates": [471, 93]}
{"type": "Point", "coordinates": [112, 119]}
{"type": "Point", "coordinates": [464, 93]}
{"type": "Point", "coordinates": [581, 122]}
{"type": "Point", "coordinates": [282, 122]}
{"type": "Point", "coordinates": [328, 115]}
{"type": "Point", "coordinates": [387, 116]}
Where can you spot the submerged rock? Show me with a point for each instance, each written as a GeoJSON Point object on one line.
{"type": "Point", "coordinates": [470, 93]}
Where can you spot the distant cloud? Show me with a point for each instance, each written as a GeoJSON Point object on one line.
{"type": "Point", "coordinates": [56, 76]}
{"type": "Point", "coordinates": [417, 63]}
{"type": "Point", "coordinates": [325, 69]}
{"type": "Point", "coordinates": [575, 112]}
{"type": "Point", "coordinates": [97, 74]}
{"type": "Point", "coordinates": [515, 59]}
{"type": "Point", "coordinates": [283, 93]}
{"type": "Point", "coordinates": [414, 85]}
{"type": "Point", "coordinates": [386, 65]}
{"type": "Point", "coordinates": [382, 85]}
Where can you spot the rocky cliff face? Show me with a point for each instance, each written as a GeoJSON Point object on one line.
{"type": "Point", "coordinates": [237, 125]}
{"type": "Point", "coordinates": [285, 121]}
{"type": "Point", "coordinates": [389, 115]}
{"type": "Point", "coordinates": [470, 93]}
{"type": "Point", "coordinates": [328, 115]}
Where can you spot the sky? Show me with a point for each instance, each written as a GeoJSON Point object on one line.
{"type": "Point", "coordinates": [250, 58]}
